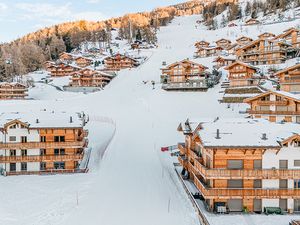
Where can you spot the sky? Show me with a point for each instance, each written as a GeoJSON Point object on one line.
{"type": "Point", "coordinates": [19, 17]}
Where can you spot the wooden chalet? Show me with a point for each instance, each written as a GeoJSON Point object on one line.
{"type": "Point", "coordinates": [83, 61]}
{"type": "Point", "coordinates": [276, 106]}
{"type": "Point", "coordinates": [289, 79]}
{"type": "Point", "coordinates": [66, 57]}
{"type": "Point", "coordinates": [243, 40]}
{"type": "Point", "coordinates": [42, 143]}
{"type": "Point", "coordinates": [221, 61]}
{"type": "Point", "coordinates": [251, 22]}
{"type": "Point", "coordinates": [290, 36]}
{"type": "Point", "coordinates": [13, 90]}
{"type": "Point", "coordinates": [264, 51]}
{"type": "Point", "coordinates": [203, 52]}
{"type": "Point", "coordinates": [62, 69]}
{"type": "Point", "coordinates": [184, 75]}
{"type": "Point", "coordinates": [242, 165]}
{"type": "Point", "coordinates": [90, 78]}
{"type": "Point", "coordinates": [201, 44]}
{"type": "Point", "coordinates": [224, 43]}
{"type": "Point", "coordinates": [266, 35]}
{"type": "Point", "coordinates": [119, 62]}
{"type": "Point", "coordinates": [242, 74]}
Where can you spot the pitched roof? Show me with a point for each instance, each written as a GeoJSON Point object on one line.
{"type": "Point", "coordinates": [186, 61]}
{"type": "Point", "coordinates": [240, 63]}
{"type": "Point", "coordinates": [280, 93]}
{"type": "Point", "coordinates": [287, 69]}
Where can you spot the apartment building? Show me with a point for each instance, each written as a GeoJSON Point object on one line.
{"type": "Point", "coordinates": [242, 164]}
{"type": "Point", "coordinates": [42, 143]}
{"type": "Point", "coordinates": [289, 79]}
{"type": "Point", "coordinates": [12, 91]}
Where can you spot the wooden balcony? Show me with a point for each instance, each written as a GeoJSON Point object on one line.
{"type": "Point", "coordinates": [280, 103]}
{"type": "Point", "coordinates": [245, 174]}
{"type": "Point", "coordinates": [193, 154]}
{"type": "Point", "coordinates": [182, 148]}
{"type": "Point", "coordinates": [41, 158]}
{"type": "Point", "coordinates": [269, 112]}
{"type": "Point", "coordinates": [46, 172]}
{"type": "Point", "coordinates": [240, 193]}
{"type": "Point", "coordinates": [290, 80]}
{"type": "Point", "coordinates": [44, 145]}
{"type": "Point", "coordinates": [183, 161]}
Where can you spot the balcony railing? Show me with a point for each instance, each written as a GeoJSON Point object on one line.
{"type": "Point", "coordinates": [245, 173]}
{"type": "Point", "coordinates": [183, 161]}
{"type": "Point", "coordinates": [269, 112]}
{"type": "Point", "coordinates": [281, 103]}
{"type": "Point", "coordinates": [32, 145]}
{"type": "Point", "coordinates": [46, 172]}
{"type": "Point", "coordinates": [182, 148]}
{"type": "Point", "coordinates": [40, 158]}
{"type": "Point", "coordinates": [240, 193]}
{"type": "Point", "coordinates": [201, 84]}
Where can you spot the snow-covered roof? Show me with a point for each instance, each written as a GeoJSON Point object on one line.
{"type": "Point", "coordinates": [243, 133]}
{"type": "Point", "coordinates": [43, 119]}
{"type": "Point", "coordinates": [295, 97]}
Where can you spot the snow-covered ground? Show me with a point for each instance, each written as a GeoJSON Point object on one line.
{"type": "Point", "coordinates": [131, 181]}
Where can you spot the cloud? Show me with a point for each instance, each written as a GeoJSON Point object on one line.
{"type": "Point", "coordinates": [3, 7]}
{"type": "Point", "coordinates": [93, 1]}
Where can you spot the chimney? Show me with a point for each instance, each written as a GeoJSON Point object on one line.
{"type": "Point", "coordinates": [264, 136]}
{"type": "Point", "coordinates": [218, 134]}
{"type": "Point", "coordinates": [37, 121]}
{"type": "Point", "coordinates": [71, 119]}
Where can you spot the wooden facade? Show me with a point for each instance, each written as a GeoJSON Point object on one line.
{"type": "Point", "coordinates": [224, 43]}
{"type": "Point", "coordinates": [263, 51]}
{"type": "Point", "coordinates": [289, 79]}
{"type": "Point", "coordinates": [119, 62]}
{"type": "Point", "coordinates": [290, 36]}
{"type": "Point", "coordinates": [221, 61]}
{"type": "Point", "coordinates": [83, 61]}
{"type": "Point", "coordinates": [251, 22]}
{"type": "Point", "coordinates": [34, 149]}
{"type": "Point", "coordinates": [62, 69]}
{"type": "Point", "coordinates": [276, 106]}
{"type": "Point", "coordinates": [242, 74]}
{"type": "Point", "coordinates": [243, 40]}
{"type": "Point", "coordinates": [266, 35]}
{"type": "Point", "coordinates": [9, 91]}
{"type": "Point", "coordinates": [89, 78]}
{"type": "Point", "coordinates": [66, 57]}
{"type": "Point", "coordinates": [203, 52]}
{"type": "Point", "coordinates": [235, 176]}
{"type": "Point", "coordinates": [201, 44]}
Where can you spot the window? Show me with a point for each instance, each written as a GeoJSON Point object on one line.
{"type": "Point", "coordinates": [12, 167]}
{"type": "Point", "coordinates": [283, 164]}
{"type": "Point", "coordinates": [257, 164]}
{"type": "Point", "coordinates": [296, 143]}
{"type": "Point", "coordinates": [257, 183]}
{"type": "Point", "coordinates": [235, 183]}
{"type": "Point", "coordinates": [59, 165]}
{"type": "Point", "coordinates": [296, 162]}
{"type": "Point", "coordinates": [13, 126]}
{"type": "Point", "coordinates": [24, 152]}
{"type": "Point", "coordinates": [283, 183]}
{"type": "Point", "coordinates": [12, 138]}
{"type": "Point", "coordinates": [23, 139]}
{"type": "Point", "coordinates": [59, 138]}
{"type": "Point", "coordinates": [42, 151]}
{"type": "Point", "coordinates": [43, 138]}
{"type": "Point", "coordinates": [59, 151]}
{"type": "Point", "coordinates": [12, 152]}
{"type": "Point", "coordinates": [23, 166]}
{"type": "Point", "coordinates": [42, 166]}
{"type": "Point", "coordinates": [235, 164]}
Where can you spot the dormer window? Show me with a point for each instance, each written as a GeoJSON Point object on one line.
{"type": "Point", "coordinates": [13, 126]}
{"type": "Point", "coordinates": [297, 143]}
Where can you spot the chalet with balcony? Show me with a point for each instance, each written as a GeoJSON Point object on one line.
{"type": "Point", "coordinates": [289, 79]}
{"type": "Point", "coordinates": [201, 44]}
{"type": "Point", "coordinates": [118, 62]}
{"type": "Point", "coordinates": [266, 35]}
{"type": "Point", "coordinates": [83, 61]}
{"type": "Point", "coordinates": [90, 78]}
{"type": "Point", "coordinates": [66, 57]}
{"type": "Point", "coordinates": [62, 69]}
{"type": "Point", "coordinates": [184, 75]}
{"type": "Point", "coordinates": [224, 43]}
{"type": "Point", "coordinates": [290, 36]}
{"type": "Point", "coordinates": [203, 52]}
{"type": "Point", "coordinates": [242, 74]}
{"type": "Point", "coordinates": [264, 51]}
{"type": "Point", "coordinates": [222, 61]}
{"type": "Point", "coordinates": [241, 164]}
{"type": "Point", "coordinates": [251, 22]}
{"type": "Point", "coordinates": [42, 143]}
{"type": "Point", "coordinates": [12, 91]}
{"type": "Point", "coordinates": [276, 106]}
{"type": "Point", "coordinates": [243, 40]}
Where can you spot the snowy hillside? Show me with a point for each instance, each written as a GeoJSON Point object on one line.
{"type": "Point", "coordinates": [131, 181]}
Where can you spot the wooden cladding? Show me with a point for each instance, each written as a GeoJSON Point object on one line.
{"type": "Point", "coordinates": [41, 158]}
{"type": "Point", "coordinates": [36, 145]}
{"type": "Point", "coordinates": [240, 193]}
{"type": "Point", "coordinates": [245, 173]}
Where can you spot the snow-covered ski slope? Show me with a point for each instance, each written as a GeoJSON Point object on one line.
{"type": "Point", "coordinates": [130, 182]}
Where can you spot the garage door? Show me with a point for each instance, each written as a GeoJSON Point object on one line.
{"type": "Point", "coordinates": [235, 205]}
{"type": "Point", "coordinates": [257, 206]}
